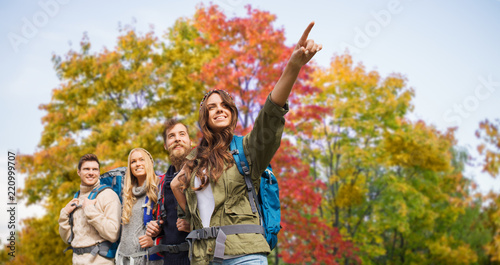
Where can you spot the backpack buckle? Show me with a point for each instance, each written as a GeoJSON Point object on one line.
{"type": "Point", "coordinates": [213, 232]}
{"type": "Point", "coordinates": [234, 152]}
{"type": "Point", "coordinates": [208, 232]}
{"type": "Point", "coordinates": [173, 249]}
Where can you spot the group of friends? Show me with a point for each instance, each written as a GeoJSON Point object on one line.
{"type": "Point", "coordinates": [202, 187]}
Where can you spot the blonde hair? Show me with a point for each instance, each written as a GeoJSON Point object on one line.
{"type": "Point", "coordinates": [151, 183]}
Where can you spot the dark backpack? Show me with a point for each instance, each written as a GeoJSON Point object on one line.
{"type": "Point", "coordinates": [148, 216]}
{"type": "Point", "coordinates": [268, 202]}
{"type": "Point", "coordinates": [160, 213]}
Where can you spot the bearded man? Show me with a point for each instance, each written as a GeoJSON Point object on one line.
{"type": "Point", "coordinates": [177, 143]}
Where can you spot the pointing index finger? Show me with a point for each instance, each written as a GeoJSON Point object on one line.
{"type": "Point", "coordinates": [306, 33]}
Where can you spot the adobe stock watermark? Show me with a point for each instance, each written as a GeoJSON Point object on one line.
{"type": "Point", "coordinates": [228, 5]}
{"type": "Point", "coordinates": [380, 19]}
{"type": "Point", "coordinates": [31, 26]}
{"type": "Point", "coordinates": [483, 91]}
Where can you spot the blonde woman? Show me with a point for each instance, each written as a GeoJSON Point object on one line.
{"type": "Point", "coordinates": [139, 197]}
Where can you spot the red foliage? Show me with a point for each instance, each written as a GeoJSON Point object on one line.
{"type": "Point", "coordinates": [305, 237]}
{"type": "Point", "coordinates": [250, 56]}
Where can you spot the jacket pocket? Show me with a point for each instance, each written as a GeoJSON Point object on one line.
{"type": "Point", "coordinates": [238, 210]}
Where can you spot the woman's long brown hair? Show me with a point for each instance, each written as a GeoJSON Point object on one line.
{"type": "Point", "coordinates": [213, 150]}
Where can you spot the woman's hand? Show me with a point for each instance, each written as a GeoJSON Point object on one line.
{"type": "Point", "coordinates": [305, 49]}
{"type": "Point", "coordinates": [302, 53]}
{"type": "Point", "coordinates": [183, 225]}
{"type": "Point", "coordinates": [145, 241]}
{"type": "Point", "coordinates": [177, 189]}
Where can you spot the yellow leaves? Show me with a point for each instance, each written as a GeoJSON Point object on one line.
{"type": "Point", "coordinates": [417, 145]}
{"type": "Point", "coordinates": [334, 178]}
{"type": "Point", "coordinates": [447, 250]}
{"type": "Point", "coordinates": [346, 173]}
{"type": "Point", "coordinates": [89, 115]}
{"type": "Point", "coordinates": [373, 250]}
{"type": "Point", "coordinates": [492, 211]}
{"type": "Point", "coordinates": [351, 190]}
{"type": "Point", "coordinates": [109, 102]}
{"type": "Point", "coordinates": [493, 249]}
{"type": "Point", "coordinates": [349, 195]}
{"type": "Point", "coordinates": [402, 211]}
{"type": "Point", "coordinates": [361, 102]}
{"type": "Point", "coordinates": [490, 147]}
{"type": "Point", "coordinates": [66, 190]}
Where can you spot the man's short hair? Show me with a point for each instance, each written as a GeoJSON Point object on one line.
{"type": "Point", "coordinates": [168, 125]}
{"type": "Point", "coordinates": [86, 158]}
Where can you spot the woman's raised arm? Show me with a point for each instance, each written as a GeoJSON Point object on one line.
{"type": "Point", "coordinates": [303, 53]}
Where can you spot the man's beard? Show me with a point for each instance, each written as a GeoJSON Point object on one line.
{"type": "Point", "coordinates": [177, 158]}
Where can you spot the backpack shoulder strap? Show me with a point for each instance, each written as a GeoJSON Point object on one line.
{"type": "Point", "coordinates": [147, 215]}
{"type": "Point", "coordinates": [71, 221]}
{"type": "Point", "coordinates": [161, 212]}
{"type": "Point", "coordinates": [238, 152]}
{"type": "Point", "coordinates": [96, 191]}
{"type": "Point", "coordinates": [93, 194]}
{"type": "Point", "coordinates": [236, 147]}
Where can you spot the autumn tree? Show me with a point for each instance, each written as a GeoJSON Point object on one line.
{"type": "Point", "coordinates": [107, 103]}
{"type": "Point", "coordinates": [489, 134]}
{"type": "Point", "coordinates": [359, 181]}
{"type": "Point", "coordinates": [111, 101]}
{"type": "Point", "coordinates": [250, 56]}
{"type": "Point", "coordinates": [392, 185]}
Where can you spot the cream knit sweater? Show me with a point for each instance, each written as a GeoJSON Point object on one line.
{"type": "Point", "coordinates": [92, 224]}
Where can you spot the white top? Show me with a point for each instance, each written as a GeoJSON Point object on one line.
{"type": "Point", "coordinates": [206, 202]}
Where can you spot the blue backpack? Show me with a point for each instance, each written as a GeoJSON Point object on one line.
{"type": "Point", "coordinates": [268, 202]}
{"type": "Point", "coordinates": [113, 180]}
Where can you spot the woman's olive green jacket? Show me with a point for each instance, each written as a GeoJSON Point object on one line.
{"type": "Point", "coordinates": [232, 205]}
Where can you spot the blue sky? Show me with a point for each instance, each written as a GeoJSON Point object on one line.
{"type": "Point", "coordinates": [448, 50]}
